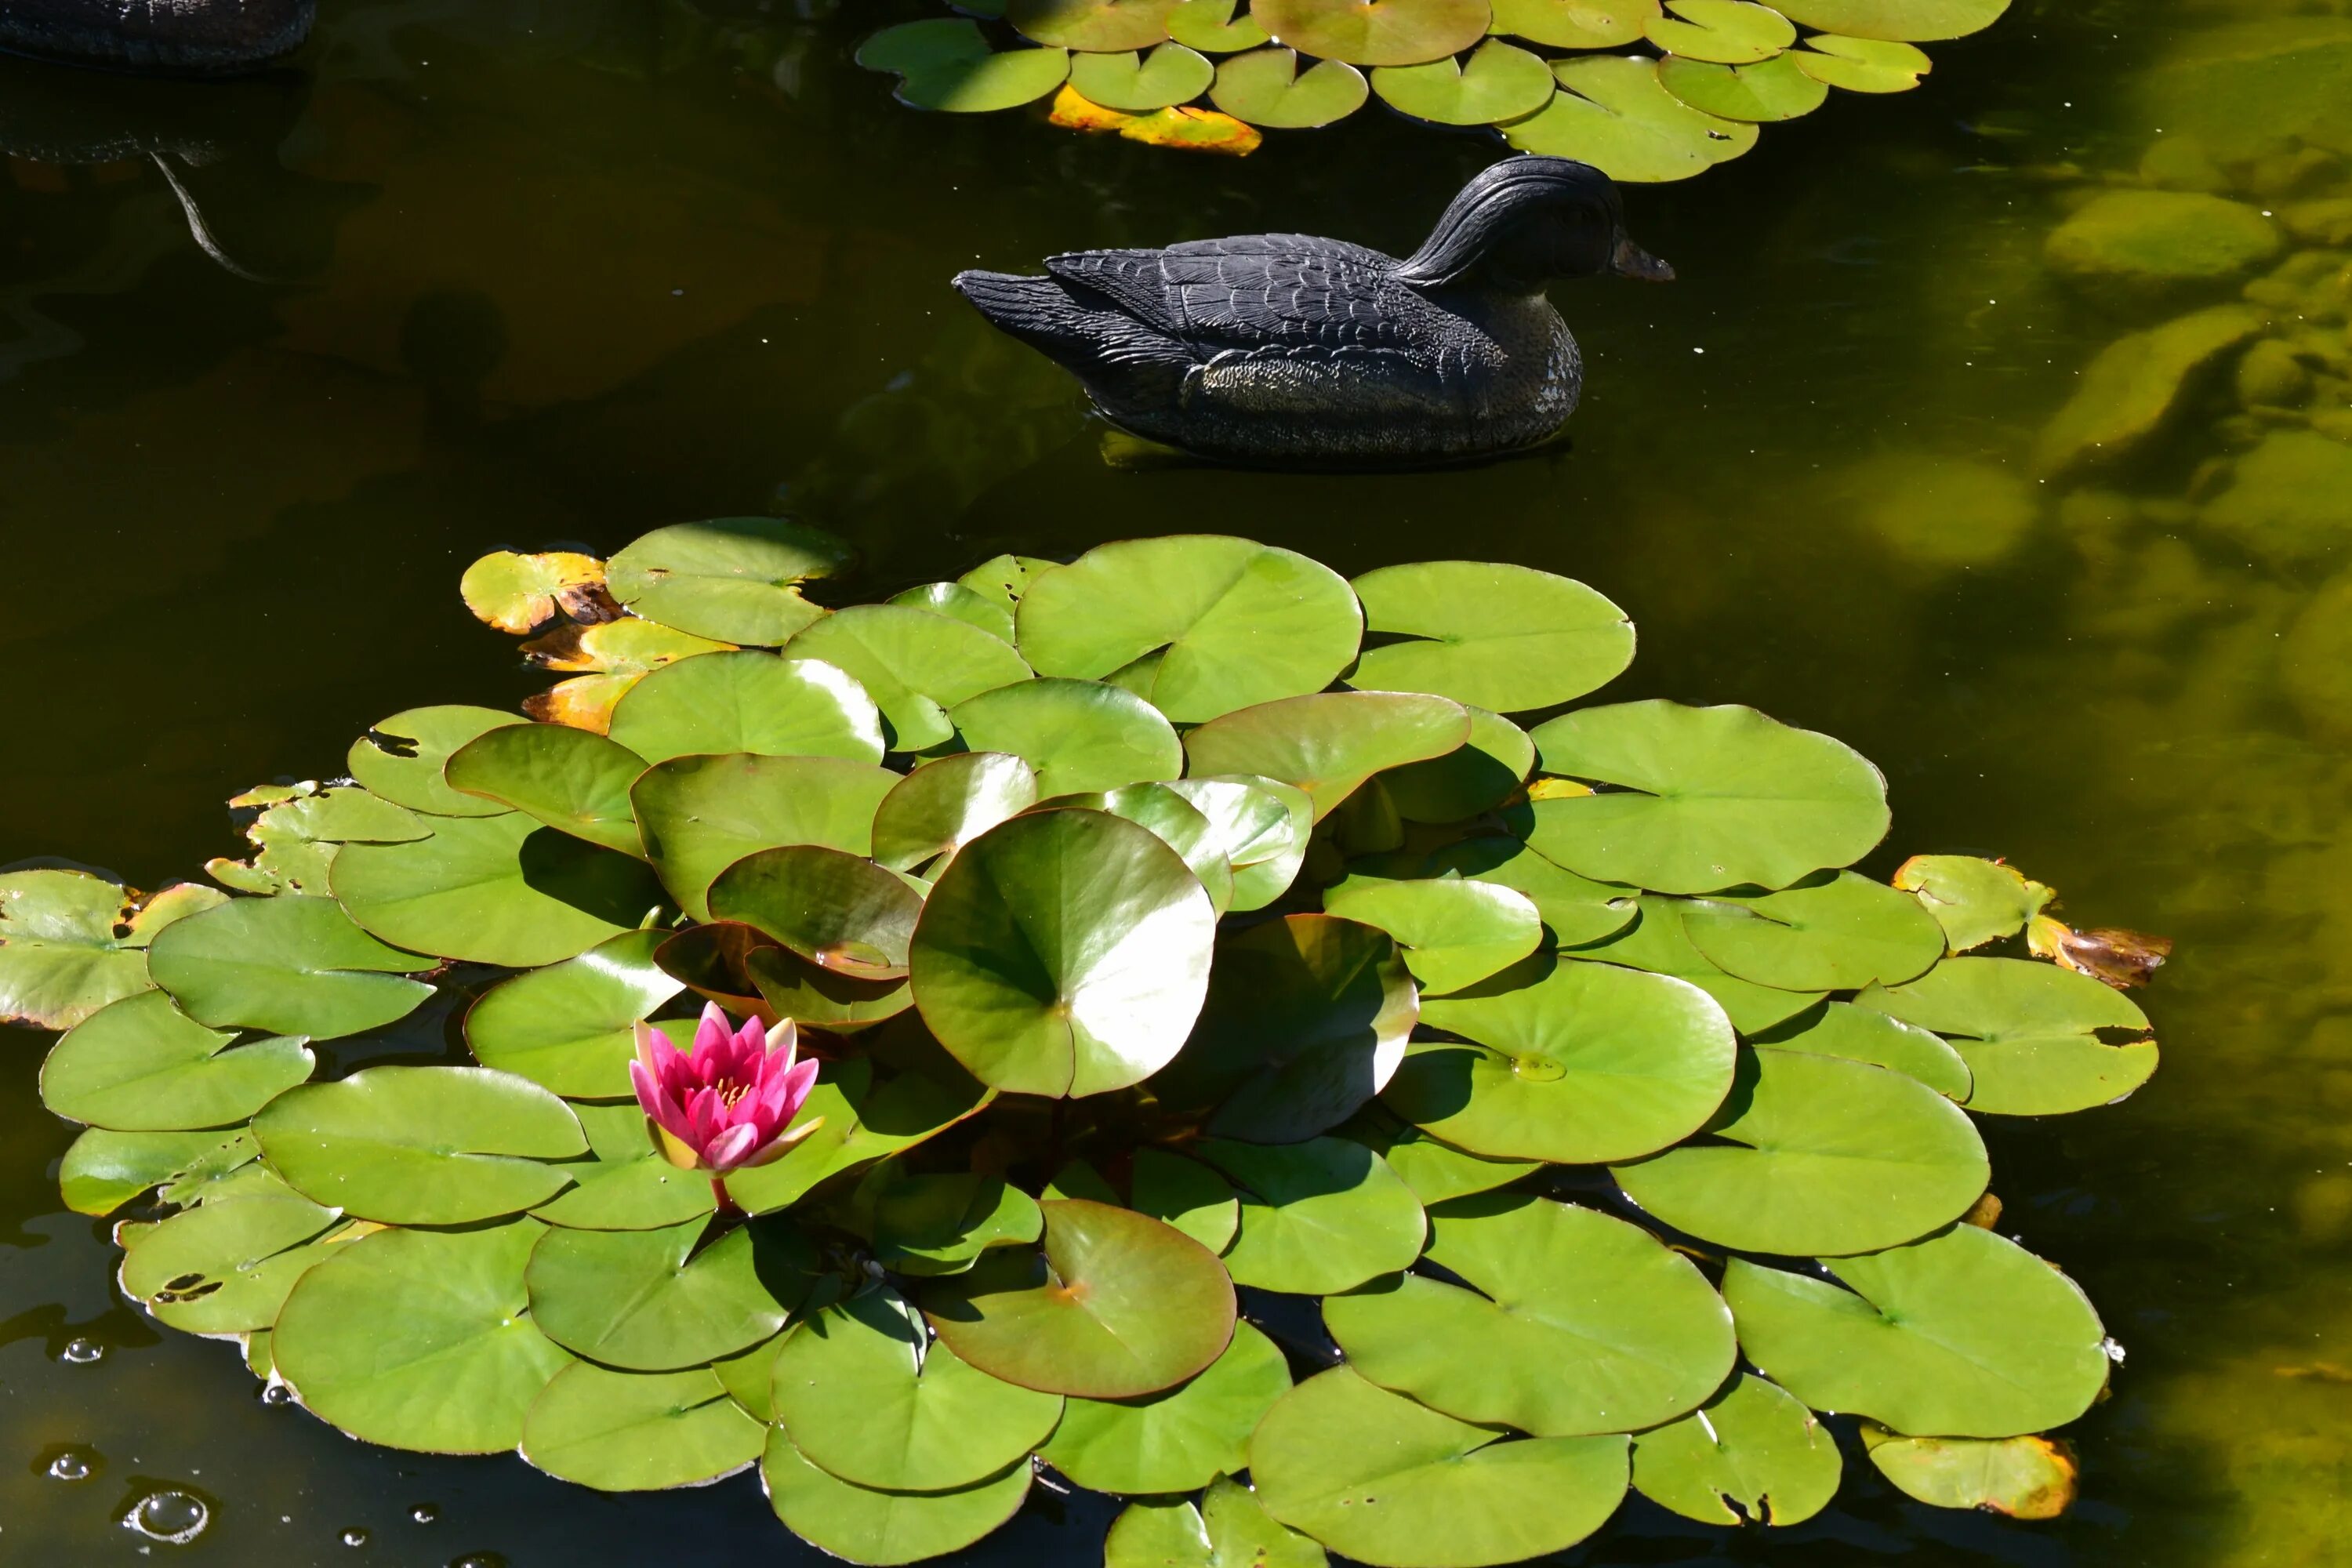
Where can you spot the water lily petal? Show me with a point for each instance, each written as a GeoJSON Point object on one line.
{"type": "Point", "coordinates": [731, 1148]}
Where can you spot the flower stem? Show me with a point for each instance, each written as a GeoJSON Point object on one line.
{"type": "Point", "coordinates": [728, 1207]}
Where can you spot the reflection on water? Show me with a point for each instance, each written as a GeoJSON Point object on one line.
{"type": "Point", "coordinates": [277, 360]}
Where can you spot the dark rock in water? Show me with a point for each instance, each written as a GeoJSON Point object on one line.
{"type": "Point", "coordinates": [1286, 348]}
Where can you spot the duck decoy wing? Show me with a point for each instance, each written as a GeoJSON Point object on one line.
{"type": "Point", "coordinates": [1253, 291]}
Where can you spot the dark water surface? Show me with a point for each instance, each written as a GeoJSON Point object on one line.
{"type": "Point", "coordinates": [517, 272]}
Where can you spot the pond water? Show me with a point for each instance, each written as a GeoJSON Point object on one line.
{"type": "Point", "coordinates": [517, 272]}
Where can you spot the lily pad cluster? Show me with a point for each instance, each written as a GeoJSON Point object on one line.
{"type": "Point", "coordinates": [1274, 1046]}
{"type": "Point", "coordinates": [1643, 89]}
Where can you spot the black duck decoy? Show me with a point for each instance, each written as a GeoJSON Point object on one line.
{"type": "Point", "coordinates": [1290, 349]}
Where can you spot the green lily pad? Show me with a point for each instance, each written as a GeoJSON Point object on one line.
{"type": "Point", "coordinates": [793, 987]}
{"type": "Point", "coordinates": [1575, 910]}
{"type": "Point", "coordinates": [733, 578]}
{"type": "Point", "coordinates": [1375, 32]}
{"type": "Point", "coordinates": [1577, 1323]}
{"type": "Point", "coordinates": [1328, 743]}
{"type": "Point", "coordinates": [630, 1184]}
{"type": "Point", "coordinates": [497, 890]}
{"type": "Point", "coordinates": [946, 804]}
{"type": "Point", "coordinates": [1657, 943]}
{"type": "Point", "coordinates": [1118, 1306]}
{"type": "Point", "coordinates": [1080, 735]}
{"type": "Point", "coordinates": [862, 1524]}
{"type": "Point", "coordinates": [1454, 932]}
{"type": "Point", "coordinates": [1961, 1335]}
{"type": "Point", "coordinates": [914, 664]}
{"type": "Point", "coordinates": [1211, 27]}
{"type": "Point", "coordinates": [1832, 932]}
{"type": "Point", "coordinates": [1305, 1020]}
{"type": "Point", "coordinates": [1916, 21]}
{"type": "Point", "coordinates": [1265, 87]}
{"type": "Point", "coordinates": [955, 600]}
{"type": "Point", "coordinates": [1820, 1156]}
{"type": "Point", "coordinates": [1481, 774]}
{"type": "Point", "coordinates": [1749, 1453]}
{"type": "Point", "coordinates": [295, 839]}
{"type": "Point", "coordinates": [1723, 32]}
{"type": "Point", "coordinates": [292, 965]}
{"type": "Point", "coordinates": [1705, 798]}
{"type": "Point", "coordinates": [1498, 82]}
{"type": "Point", "coordinates": [1381, 1479]}
{"type": "Point", "coordinates": [1063, 953]}
{"type": "Point", "coordinates": [1436, 1172]}
{"type": "Point", "coordinates": [745, 1375]}
{"type": "Point", "coordinates": [401, 759]}
{"type": "Point", "coordinates": [1261, 826]}
{"type": "Point", "coordinates": [1105, 27]}
{"type": "Point", "coordinates": [1178, 823]}
{"type": "Point", "coordinates": [1228, 1529]}
{"type": "Point", "coordinates": [227, 1268]}
{"type": "Point", "coordinates": [567, 1027]}
{"type": "Point", "coordinates": [1772, 90]}
{"type": "Point", "coordinates": [701, 814]}
{"type": "Point", "coordinates": [2023, 1478]}
{"type": "Point", "coordinates": [1002, 580]}
{"type": "Point", "coordinates": [938, 1224]}
{"type": "Point", "coordinates": [1177, 1441]}
{"type": "Point", "coordinates": [2027, 1032]}
{"type": "Point", "coordinates": [1316, 1216]}
{"type": "Point", "coordinates": [101, 1171]}
{"type": "Point", "coordinates": [1571, 1063]}
{"type": "Point", "coordinates": [749, 700]}
{"type": "Point", "coordinates": [569, 779]}
{"type": "Point", "coordinates": [1137, 84]}
{"type": "Point", "coordinates": [863, 1121]}
{"type": "Point", "coordinates": [1574, 24]}
{"type": "Point", "coordinates": [1228, 623]}
{"type": "Point", "coordinates": [1186, 1194]}
{"type": "Point", "coordinates": [1616, 115]}
{"type": "Point", "coordinates": [948, 64]}
{"type": "Point", "coordinates": [419, 1339]}
{"type": "Point", "coordinates": [839, 911]}
{"type": "Point", "coordinates": [141, 1064]}
{"type": "Point", "coordinates": [1861, 1035]}
{"type": "Point", "coordinates": [1861, 65]}
{"type": "Point", "coordinates": [413, 1145]}
{"type": "Point", "coordinates": [861, 1390]}
{"type": "Point", "coordinates": [1975, 901]}
{"type": "Point", "coordinates": [62, 956]}
{"type": "Point", "coordinates": [633, 1432]}
{"type": "Point", "coordinates": [646, 1300]}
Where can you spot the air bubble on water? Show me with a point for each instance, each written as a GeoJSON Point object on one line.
{"type": "Point", "coordinates": [82, 1351]}
{"type": "Point", "coordinates": [424, 1512]}
{"type": "Point", "coordinates": [478, 1560]}
{"type": "Point", "coordinates": [355, 1536]}
{"type": "Point", "coordinates": [2115, 1351]}
{"type": "Point", "coordinates": [276, 1394]}
{"type": "Point", "coordinates": [71, 1465]}
{"type": "Point", "coordinates": [171, 1516]}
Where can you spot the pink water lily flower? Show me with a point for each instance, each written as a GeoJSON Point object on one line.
{"type": "Point", "coordinates": [729, 1100]}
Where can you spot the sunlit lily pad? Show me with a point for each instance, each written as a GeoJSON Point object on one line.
{"type": "Point", "coordinates": [1080, 735]}
{"type": "Point", "coordinates": [648, 1301]}
{"type": "Point", "coordinates": [567, 1027]}
{"type": "Point", "coordinates": [839, 911]}
{"type": "Point", "coordinates": [1569, 1062]}
{"type": "Point", "coordinates": [1615, 115]}
{"type": "Point", "coordinates": [606, 661]}
{"type": "Point", "coordinates": [2023, 1478]}
{"type": "Point", "coordinates": [1228, 1529]}
{"type": "Point", "coordinates": [1833, 932]}
{"type": "Point", "coordinates": [945, 803]}
{"type": "Point", "coordinates": [143, 1065]}
{"type": "Point", "coordinates": [1136, 84]}
{"type": "Point", "coordinates": [630, 1184]}
{"type": "Point", "coordinates": [1723, 32]}
{"type": "Point", "coordinates": [700, 815]}
{"type": "Point", "coordinates": [102, 1169]}
{"type": "Point", "coordinates": [1436, 1172]}
{"type": "Point", "coordinates": [914, 664]}
{"type": "Point", "coordinates": [1265, 87]}
{"type": "Point", "coordinates": [1063, 953]}
{"type": "Point", "coordinates": [401, 759]}
{"type": "Point", "coordinates": [627, 1431]}
{"type": "Point", "coordinates": [1657, 943]}
{"type": "Point", "coordinates": [1476, 777]}
{"type": "Point", "coordinates": [1774, 90]}
{"type": "Point", "coordinates": [295, 839]}
{"type": "Point", "coordinates": [1861, 65]}
{"type": "Point", "coordinates": [1818, 1156]}
{"type": "Point", "coordinates": [1863, 1035]}
{"type": "Point", "coordinates": [1975, 901]}
{"type": "Point", "coordinates": [863, 1524]}
{"type": "Point", "coordinates": [1375, 32]}
{"type": "Point", "coordinates": [1575, 1322]}
{"type": "Point", "coordinates": [225, 1268]}
{"type": "Point", "coordinates": [63, 956]}
{"type": "Point", "coordinates": [749, 700]}
{"type": "Point", "coordinates": [1454, 932]}
{"type": "Point", "coordinates": [956, 601]}
{"type": "Point", "coordinates": [572, 780]}
{"type": "Point", "coordinates": [1320, 1215]}
{"type": "Point", "coordinates": [1749, 1453]}
{"type": "Point", "coordinates": [519, 593]}
{"type": "Point", "coordinates": [1186, 1194]}
{"type": "Point", "coordinates": [947, 64]}
{"type": "Point", "coordinates": [1002, 580]}
{"type": "Point", "coordinates": [1328, 743]}
{"type": "Point", "coordinates": [1575, 910]}
{"type": "Point", "coordinates": [1094, 26]}
{"type": "Point", "coordinates": [1211, 27]}
{"type": "Point", "coordinates": [292, 965]}
{"type": "Point", "coordinates": [938, 1224]}
{"type": "Point", "coordinates": [1705, 798]}
{"type": "Point", "coordinates": [864, 1121]}
{"type": "Point", "coordinates": [733, 578]}
{"type": "Point", "coordinates": [2028, 1033]}
{"type": "Point", "coordinates": [417, 1145]}
{"type": "Point", "coordinates": [861, 1389]}
{"type": "Point", "coordinates": [791, 986]}
{"type": "Point", "coordinates": [1260, 825]}
{"type": "Point", "coordinates": [419, 1339]}
{"type": "Point", "coordinates": [1498, 82]}
{"type": "Point", "coordinates": [1382, 1480]}
{"type": "Point", "coordinates": [1503, 637]}
{"type": "Point", "coordinates": [1917, 21]}
{"type": "Point", "coordinates": [1961, 1335]}
{"type": "Point", "coordinates": [1574, 24]}
{"type": "Point", "coordinates": [1179, 823]}
{"type": "Point", "coordinates": [1177, 1441]}
{"type": "Point", "coordinates": [1118, 1306]}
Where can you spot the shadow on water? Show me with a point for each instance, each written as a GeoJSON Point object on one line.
{"type": "Point", "coordinates": [527, 272]}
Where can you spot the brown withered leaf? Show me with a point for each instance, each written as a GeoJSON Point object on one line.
{"type": "Point", "coordinates": [517, 593]}
{"type": "Point", "coordinates": [613, 657]}
{"type": "Point", "coordinates": [1186, 129]}
{"type": "Point", "coordinates": [1984, 1214]}
{"type": "Point", "coordinates": [2122, 959]}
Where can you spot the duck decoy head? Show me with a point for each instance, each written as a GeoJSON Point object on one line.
{"type": "Point", "coordinates": [1526, 220]}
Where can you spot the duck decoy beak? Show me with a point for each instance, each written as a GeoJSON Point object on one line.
{"type": "Point", "coordinates": [1630, 260]}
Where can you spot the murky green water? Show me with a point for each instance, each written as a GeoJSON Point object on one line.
{"type": "Point", "coordinates": [524, 271]}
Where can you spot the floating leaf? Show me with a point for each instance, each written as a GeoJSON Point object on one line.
{"type": "Point", "coordinates": [1575, 24]}
{"type": "Point", "coordinates": [1080, 735]}
{"type": "Point", "coordinates": [1118, 1306]}
{"type": "Point", "coordinates": [1479, 775]}
{"type": "Point", "coordinates": [1211, 27]}
{"type": "Point", "coordinates": [2023, 1478]}
{"type": "Point", "coordinates": [2122, 959]}
{"type": "Point", "coordinates": [1725, 32]}
{"type": "Point", "coordinates": [1567, 1062]}
{"type": "Point", "coordinates": [1861, 1035]}
{"type": "Point", "coordinates": [1963, 1335]}
{"type": "Point", "coordinates": [749, 700]}
{"type": "Point", "coordinates": [1919, 21]}
{"type": "Point", "coordinates": [626, 1431]}
{"type": "Point", "coordinates": [227, 1268]}
{"type": "Point", "coordinates": [1179, 825]}
{"type": "Point", "coordinates": [791, 986]}
{"type": "Point", "coordinates": [700, 815]}
{"type": "Point", "coordinates": [1186, 1194]}
{"type": "Point", "coordinates": [861, 1524]}
{"type": "Point", "coordinates": [1705, 798]}
{"type": "Point", "coordinates": [1191, 130]}
{"type": "Point", "coordinates": [1749, 1453]}
{"type": "Point", "coordinates": [630, 1184]}
{"type": "Point", "coordinates": [1975, 901]}
{"type": "Point", "coordinates": [957, 601]}
{"type": "Point", "coordinates": [863, 1121]}
{"type": "Point", "coordinates": [613, 657]}
{"type": "Point", "coordinates": [1261, 826]}
{"type": "Point", "coordinates": [1177, 1441]}
{"type": "Point", "coordinates": [1265, 87]}
{"type": "Point", "coordinates": [1832, 932]}
{"type": "Point", "coordinates": [62, 952]}
{"type": "Point", "coordinates": [860, 1389]}
{"type": "Point", "coordinates": [1228, 1529]}
{"type": "Point", "coordinates": [1454, 932]}
{"type": "Point", "coordinates": [1096, 25]}
{"type": "Point", "coordinates": [517, 593]}
{"type": "Point", "coordinates": [572, 780]}
{"type": "Point", "coordinates": [102, 1170]}
{"type": "Point", "coordinates": [1818, 1156]}
{"type": "Point", "coordinates": [1002, 580]}
{"type": "Point", "coordinates": [1375, 32]}
{"type": "Point", "coordinates": [291, 965]}
{"type": "Point", "coordinates": [1328, 743]}
{"type": "Point", "coordinates": [1616, 115]}
{"type": "Point", "coordinates": [1774, 90]}
{"type": "Point", "coordinates": [914, 664]}
{"type": "Point", "coordinates": [1381, 1479]}
{"type": "Point", "coordinates": [648, 1301]}
{"type": "Point", "coordinates": [295, 839]}
{"type": "Point", "coordinates": [1861, 65]}
{"type": "Point", "coordinates": [947, 64]}
{"type": "Point", "coordinates": [2027, 1032]}
{"type": "Point", "coordinates": [1320, 1215]}
{"type": "Point", "coordinates": [946, 804]}
{"type": "Point", "coordinates": [1657, 943]}
{"type": "Point", "coordinates": [1498, 82]}
{"type": "Point", "coordinates": [401, 759]}
{"type": "Point", "coordinates": [1436, 1172]}
{"type": "Point", "coordinates": [1575, 910]}
{"type": "Point", "coordinates": [419, 1339]}
{"type": "Point", "coordinates": [499, 889]}
{"type": "Point", "coordinates": [736, 579]}
{"type": "Point", "coordinates": [839, 911]}
{"type": "Point", "coordinates": [1576, 1323]}
{"type": "Point", "coordinates": [143, 1065]}
{"type": "Point", "coordinates": [1063, 953]}
{"type": "Point", "coordinates": [1170, 75]}
{"type": "Point", "coordinates": [938, 1224]}
{"type": "Point", "coordinates": [567, 1027]}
